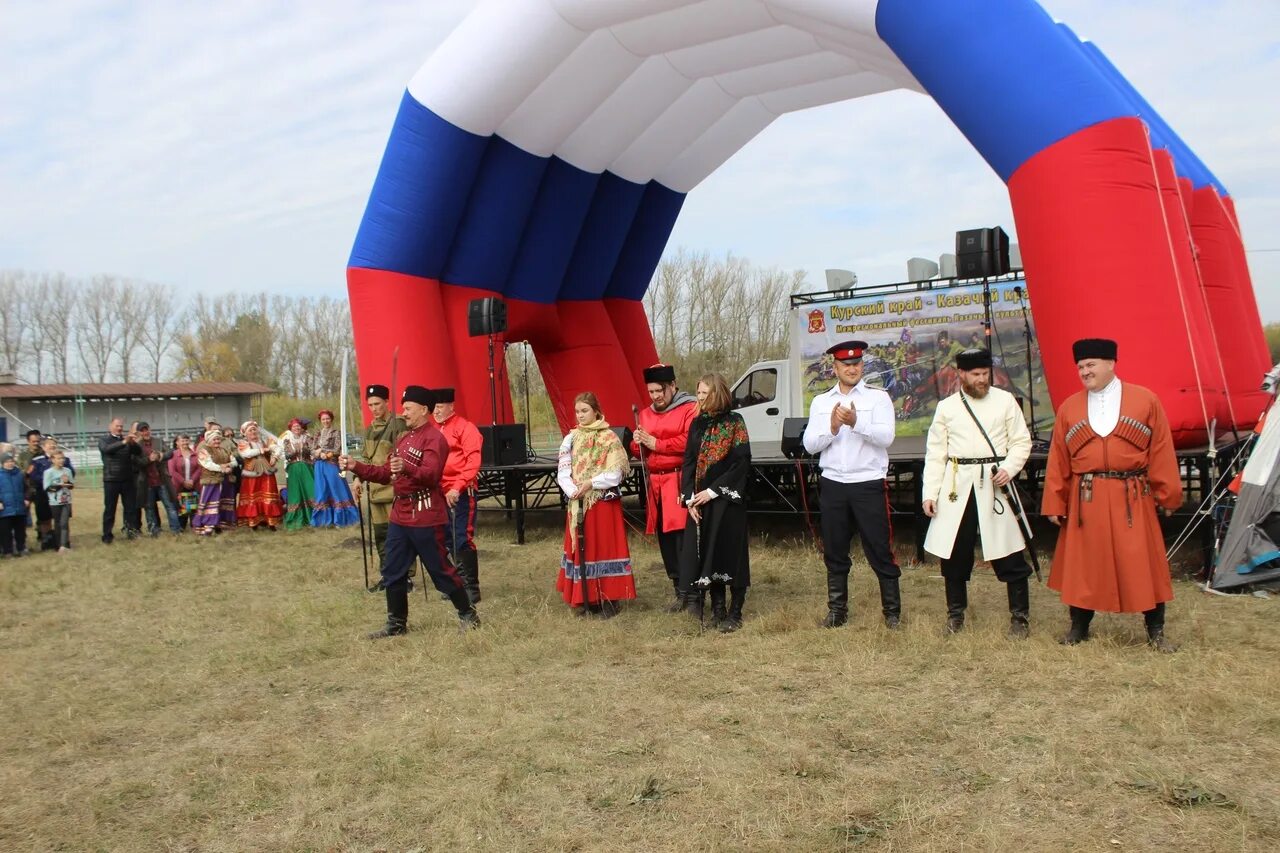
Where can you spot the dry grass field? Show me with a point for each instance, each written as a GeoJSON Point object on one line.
{"type": "Point", "coordinates": [217, 695]}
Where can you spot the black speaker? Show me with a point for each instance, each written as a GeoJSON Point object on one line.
{"type": "Point", "coordinates": [793, 438]}
{"type": "Point", "coordinates": [982, 253]}
{"type": "Point", "coordinates": [504, 444]}
{"type": "Point", "coordinates": [486, 316]}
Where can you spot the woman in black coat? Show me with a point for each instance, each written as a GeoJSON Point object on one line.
{"type": "Point", "coordinates": [713, 483]}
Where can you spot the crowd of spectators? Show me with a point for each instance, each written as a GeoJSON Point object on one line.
{"type": "Point", "coordinates": [36, 483]}
{"type": "Point", "coordinates": [217, 480]}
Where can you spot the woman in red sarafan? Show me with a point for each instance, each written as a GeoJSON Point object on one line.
{"type": "Point", "coordinates": [592, 464]}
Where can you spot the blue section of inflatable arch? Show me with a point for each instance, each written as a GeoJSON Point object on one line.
{"type": "Point", "coordinates": [604, 233]}
{"type": "Point", "coordinates": [418, 197]}
{"type": "Point", "coordinates": [496, 212]}
{"type": "Point", "coordinates": [1010, 79]}
{"type": "Point", "coordinates": [645, 242]}
{"type": "Point", "coordinates": [555, 223]}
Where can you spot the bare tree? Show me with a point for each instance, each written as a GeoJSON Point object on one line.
{"type": "Point", "coordinates": [159, 309]}
{"type": "Point", "coordinates": [130, 320]}
{"type": "Point", "coordinates": [95, 326]}
{"type": "Point", "coordinates": [15, 297]}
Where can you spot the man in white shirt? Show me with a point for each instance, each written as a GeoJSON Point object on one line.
{"type": "Point", "coordinates": [851, 427]}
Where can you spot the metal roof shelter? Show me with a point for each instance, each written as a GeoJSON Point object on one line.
{"type": "Point", "coordinates": [80, 409]}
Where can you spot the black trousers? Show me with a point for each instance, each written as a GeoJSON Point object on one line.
{"type": "Point", "coordinates": [124, 491]}
{"type": "Point", "coordinates": [861, 508]}
{"type": "Point", "coordinates": [13, 534]}
{"type": "Point", "coordinates": [669, 543]}
{"type": "Point", "coordinates": [406, 544]}
{"type": "Point", "coordinates": [959, 566]}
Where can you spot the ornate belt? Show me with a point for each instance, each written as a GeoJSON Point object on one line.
{"type": "Point", "coordinates": [957, 461]}
{"type": "Point", "coordinates": [653, 471]}
{"type": "Point", "coordinates": [1136, 485]}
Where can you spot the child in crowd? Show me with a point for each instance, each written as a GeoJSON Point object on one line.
{"type": "Point", "coordinates": [59, 480]}
{"type": "Point", "coordinates": [13, 508]}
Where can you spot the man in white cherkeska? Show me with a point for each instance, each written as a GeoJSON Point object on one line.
{"type": "Point", "coordinates": [977, 443]}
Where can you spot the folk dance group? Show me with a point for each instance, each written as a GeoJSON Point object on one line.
{"type": "Point", "coordinates": [237, 485]}
{"type": "Point", "coordinates": [1111, 465]}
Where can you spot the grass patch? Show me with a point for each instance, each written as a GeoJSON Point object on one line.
{"type": "Point", "coordinates": [217, 695]}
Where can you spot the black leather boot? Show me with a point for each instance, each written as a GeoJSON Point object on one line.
{"type": "Point", "coordinates": [695, 602]}
{"type": "Point", "coordinates": [733, 621]}
{"type": "Point", "coordinates": [1155, 630]}
{"type": "Point", "coordinates": [837, 600]}
{"type": "Point", "coordinates": [718, 612]}
{"type": "Point", "coordinates": [1019, 609]}
{"type": "Point", "coordinates": [397, 612]}
{"type": "Point", "coordinates": [891, 602]}
{"type": "Point", "coordinates": [470, 567]}
{"type": "Point", "coordinates": [678, 603]}
{"type": "Point", "coordinates": [468, 618]}
{"type": "Point", "coordinates": [1079, 631]}
{"type": "Point", "coordinates": [957, 603]}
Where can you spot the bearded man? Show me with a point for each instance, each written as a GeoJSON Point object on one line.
{"type": "Point", "coordinates": [1111, 463]}
{"type": "Point", "coordinates": [977, 444]}
{"type": "Point", "coordinates": [663, 432]}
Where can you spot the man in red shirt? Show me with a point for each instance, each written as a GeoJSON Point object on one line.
{"type": "Point", "coordinates": [418, 514]}
{"type": "Point", "coordinates": [459, 483]}
{"type": "Point", "coordinates": [663, 432]}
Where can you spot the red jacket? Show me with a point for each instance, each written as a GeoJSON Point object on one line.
{"type": "Point", "coordinates": [176, 470]}
{"type": "Point", "coordinates": [419, 500]}
{"type": "Point", "coordinates": [463, 464]}
{"type": "Point", "coordinates": [670, 429]}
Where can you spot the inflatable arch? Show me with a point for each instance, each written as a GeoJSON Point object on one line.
{"type": "Point", "coordinates": [543, 152]}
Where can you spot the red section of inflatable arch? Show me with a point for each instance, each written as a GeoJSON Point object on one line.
{"type": "Point", "coordinates": [631, 324]}
{"type": "Point", "coordinates": [1091, 226]}
{"type": "Point", "coordinates": [1232, 306]}
{"type": "Point", "coordinates": [1206, 362]}
{"type": "Point", "coordinates": [390, 309]}
{"type": "Point", "coordinates": [471, 355]}
{"type": "Point", "coordinates": [590, 359]}
{"type": "Point", "coordinates": [1244, 281]}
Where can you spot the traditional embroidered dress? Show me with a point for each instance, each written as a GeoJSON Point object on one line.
{"type": "Point", "coordinates": [1110, 553]}
{"type": "Point", "coordinates": [259, 499]}
{"type": "Point", "coordinates": [217, 507]}
{"type": "Point", "coordinates": [334, 505]}
{"type": "Point", "coordinates": [301, 482]}
{"type": "Point", "coordinates": [717, 457]}
{"type": "Point", "coordinates": [594, 453]}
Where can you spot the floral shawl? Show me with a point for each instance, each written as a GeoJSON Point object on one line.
{"type": "Point", "coordinates": [594, 450]}
{"type": "Point", "coordinates": [721, 435]}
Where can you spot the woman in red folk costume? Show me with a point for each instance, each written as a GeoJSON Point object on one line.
{"type": "Point", "coordinates": [592, 464]}
{"type": "Point", "coordinates": [659, 442]}
{"type": "Point", "coordinates": [258, 506]}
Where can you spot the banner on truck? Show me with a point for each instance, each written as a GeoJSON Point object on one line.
{"type": "Point", "coordinates": [913, 339]}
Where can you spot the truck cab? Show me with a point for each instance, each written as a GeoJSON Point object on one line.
{"type": "Point", "coordinates": [765, 397]}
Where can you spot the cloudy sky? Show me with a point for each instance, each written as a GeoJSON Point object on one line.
{"type": "Point", "coordinates": [231, 146]}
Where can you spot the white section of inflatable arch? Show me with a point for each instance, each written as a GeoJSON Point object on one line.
{"type": "Point", "coordinates": [651, 89]}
